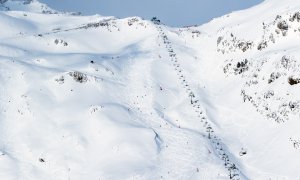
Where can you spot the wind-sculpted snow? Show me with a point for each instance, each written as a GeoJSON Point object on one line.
{"type": "Point", "coordinates": [92, 97]}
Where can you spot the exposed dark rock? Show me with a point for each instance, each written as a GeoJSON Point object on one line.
{"type": "Point", "coordinates": [293, 81]}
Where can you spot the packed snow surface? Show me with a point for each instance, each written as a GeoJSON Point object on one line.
{"type": "Point", "coordinates": [93, 97]}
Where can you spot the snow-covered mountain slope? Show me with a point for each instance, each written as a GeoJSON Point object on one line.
{"type": "Point", "coordinates": [91, 97]}
{"type": "Point", "coordinates": [25, 5]}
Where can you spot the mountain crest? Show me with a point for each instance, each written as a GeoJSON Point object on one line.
{"type": "Point", "coordinates": [26, 5]}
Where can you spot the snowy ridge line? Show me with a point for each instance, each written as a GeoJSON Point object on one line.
{"type": "Point", "coordinates": [102, 23]}
{"type": "Point", "coordinates": [84, 26]}
{"type": "Point", "coordinates": [219, 147]}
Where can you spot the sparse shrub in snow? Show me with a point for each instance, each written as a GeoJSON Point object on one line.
{"type": "Point", "coordinates": [60, 80]}
{"type": "Point", "coordinates": [262, 45]}
{"type": "Point", "coordinates": [268, 94]}
{"type": "Point", "coordinates": [60, 41]}
{"type": "Point", "coordinates": [275, 106]}
{"type": "Point", "coordinates": [274, 115]}
{"type": "Point", "coordinates": [283, 27]}
{"type": "Point", "coordinates": [103, 24]}
{"type": "Point", "coordinates": [78, 76]}
{"type": "Point", "coordinates": [296, 16]}
{"type": "Point", "coordinates": [245, 96]}
{"type": "Point", "coordinates": [244, 46]}
{"type": "Point", "coordinates": [232, 43]}
{"type": "Point", "coordinates": [278, 17]}
{"type": "Point", "coordinates": [108, 24]}
{"type": "Point", "coordinates": [296, 143]}
{"type": "Point", "coordinates": [241, 67]}
{"type": "Point", "coordinates": [288, 64]}
{"type": "Point", "coordinates": [226, 68]}
{"type": "Point", "coordinates": [220, 38]}
{"type": "Point", "coordinates": [293, 105]}
{"type": "Point", "coordinates": [273, 77]}
{"type": "Point", "coordinates": [97, 24]}
{"type": "Point", "coordinates": [94, 109]}
{"type": "Point", "coordinates": [195, 33]}
{"type": "Point", "coordinates": [285, 62]}
{"type": "Point", "coordinates": [132, 21]}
